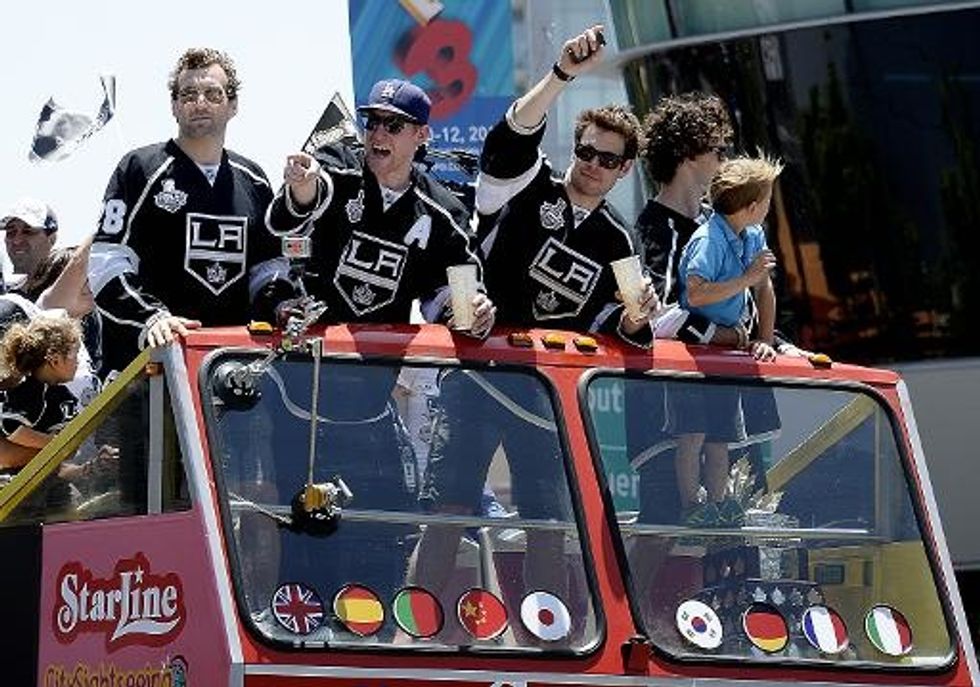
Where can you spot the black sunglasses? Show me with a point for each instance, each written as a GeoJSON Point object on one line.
{"type": "Point", "coordinates": [723, 152]}
{"type": "Point", "coordinates": [393, 125]}
{"type": "Point", "coordinates": [607, 160]}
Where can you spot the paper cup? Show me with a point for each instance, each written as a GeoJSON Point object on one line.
{"type": "Point", "coordinates": [463, 289]}
{"type": "Point", "coordinates": [629, 280]}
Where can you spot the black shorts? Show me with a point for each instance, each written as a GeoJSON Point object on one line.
{"type": "Point", "coordinates": [475, 422]}
{"type": "Point", "coordinates": [712, 410]}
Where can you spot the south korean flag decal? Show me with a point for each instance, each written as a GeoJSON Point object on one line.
{"type": "Point", "coordinates": [369, 272]}
{"type": "Point", "coordinates": [567, 279]}
{"type": "Point", "coordinates": [215, 249]}
{"type": "Point", "coordinates": [545, 616]}
{"type": "Point", "coordinates": [699, 624]}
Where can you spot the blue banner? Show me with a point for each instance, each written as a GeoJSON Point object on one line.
{"type": "Point", "coordinates": [459, 51]}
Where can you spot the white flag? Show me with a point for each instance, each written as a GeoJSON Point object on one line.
{"type": "Point", "coordinates": [60, 131]}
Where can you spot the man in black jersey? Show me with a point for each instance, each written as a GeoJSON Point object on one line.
{"type": "Point", "coordinates": [686, 138]}
{"type": "Point", "coordinates": [181, 239]}
{"type": "Point", "coordinates": [382, 231]}
{"type": "Point", "coordinates": [547, 244]}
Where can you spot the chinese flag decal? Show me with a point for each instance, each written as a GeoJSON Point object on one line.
{"type": "Point", "coordinates": [481, 614]}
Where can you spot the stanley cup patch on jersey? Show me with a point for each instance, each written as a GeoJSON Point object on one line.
{"type": "Point", "coordinates": [567, 277]}
{"type": "Point", "coordinates": [369, 272]}
{"type": "Point", "coordinates": [215, 250]}
{"type": "Point", "coordinates": [170, 198]}
{"type": "Point", "coordinates": [552, 214]}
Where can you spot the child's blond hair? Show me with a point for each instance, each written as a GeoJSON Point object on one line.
{"type": "Point", "coordinates": [741, 181]}
{"type": "Point", "coordinates": [25, 347]}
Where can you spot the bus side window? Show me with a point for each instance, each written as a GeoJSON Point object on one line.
{"type": "Point", "coordinates": [127, 461]}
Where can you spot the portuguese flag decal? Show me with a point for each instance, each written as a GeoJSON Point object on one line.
{"type": "Point", "coordinates": [481, 614]}
{"type": "Point", "coordinates": [418, 612]}
{"type": "Point", "coordinates": [765, 627]}
{"type": "Point", "coordinates": [359, 610]}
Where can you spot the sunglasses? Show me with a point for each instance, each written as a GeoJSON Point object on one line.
{"type": "Point", "coordinates": [213, 94]}
{"type": "Point", "coordinates": [723, 152]}
{"type": "Point", "coordinates": [607, 160]}
{"type": "Point", "coordinates": [393, 125]}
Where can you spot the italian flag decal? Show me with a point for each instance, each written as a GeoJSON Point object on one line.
{"type": "Point", "coordinates": [888, 630]}
{"type": "Point", "coordinates": [418, 612]}
{"type": "Point", "coordinates": [545, 616]}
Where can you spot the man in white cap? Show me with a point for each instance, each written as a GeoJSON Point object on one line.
{"type": "Point", "coordinates": [30, 230]}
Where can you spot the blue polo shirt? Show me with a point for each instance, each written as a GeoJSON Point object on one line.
{"type": "Point", "coordinates": [716, 254]}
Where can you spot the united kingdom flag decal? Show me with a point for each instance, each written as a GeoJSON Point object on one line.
{"type": "Point", "coordinates": [297, 608]}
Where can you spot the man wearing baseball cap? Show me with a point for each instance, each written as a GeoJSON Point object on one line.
{"type": "Point", "coordinates": [381, 234]}
{"type": "Point", "coordinates": [382, 230]}
{"type": "Point", "coordinates": [30, 230]}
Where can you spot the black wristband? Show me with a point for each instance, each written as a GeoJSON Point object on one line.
{"type": "Point", "coordinates": [561, 73]}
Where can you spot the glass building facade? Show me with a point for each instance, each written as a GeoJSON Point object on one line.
{"type": "Point", "coordinates": [875, 217]}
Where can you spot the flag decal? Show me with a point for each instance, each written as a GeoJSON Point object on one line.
{"type": "Point", "coordinates": [824, 629]}
{"type": "Point", "coordinates": [765, 627]}
{"type": "Point", "coordinates": [297, 608]}
{"type": "Point", "coordinates": [699, 624]}
{"type": "Point", "coordinates": [418, 612]}
{"type": "Point", "coordinates": [888, 630]}
{"type": "Point", "coordinates": [545, 616]}
{"type": "Point", "coordinates": [481, 614]}
{"type": "Point", "coordinates": [359, 610]}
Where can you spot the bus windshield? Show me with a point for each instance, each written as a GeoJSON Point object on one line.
{"type": "Point", "coordinates": [453, 523]}
{"type": "Point", "coordinates": [764, 522]}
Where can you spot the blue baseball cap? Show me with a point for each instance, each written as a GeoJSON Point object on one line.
{"type": "Point", "coordinates": [401, 97]}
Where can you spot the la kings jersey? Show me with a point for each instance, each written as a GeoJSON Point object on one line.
{"type": "Point", "coordinates": [168, 240]}
{"type": "Point", "coordinates": [368, 264]}
{"type": "Point", "coordinates": [541, 269]}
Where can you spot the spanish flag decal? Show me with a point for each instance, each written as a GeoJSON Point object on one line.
{"type": "Point", "coordinates": [359, 610]}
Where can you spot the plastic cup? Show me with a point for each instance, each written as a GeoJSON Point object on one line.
{"type": "Point", "coordinates": [463, 289]}
{"type": "Point", "coordinates": [629, 280]}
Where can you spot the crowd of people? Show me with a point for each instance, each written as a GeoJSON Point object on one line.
{"type": "Point", "coordinates": [191, 234]}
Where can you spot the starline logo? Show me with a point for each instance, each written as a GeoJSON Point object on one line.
{"type": "Point", "coordinates": [132, 606]}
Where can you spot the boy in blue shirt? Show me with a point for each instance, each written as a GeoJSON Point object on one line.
{"type": "Point", "coordinates": [723, 258]}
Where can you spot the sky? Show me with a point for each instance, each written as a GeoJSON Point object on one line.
{"type": "Point", "coordinates": [290, 57]}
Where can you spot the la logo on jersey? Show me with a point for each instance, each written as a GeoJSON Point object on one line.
{"type": "Point", "coordinates": [130, 606]}
{"type": "Point", "coordinates": [215, 250]}
{"type": "Point", "coordinates": [369, 272]}
{"type": "Point", "coordinates": [568, 278]}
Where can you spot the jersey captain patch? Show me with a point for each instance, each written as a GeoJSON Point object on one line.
{"type": "Point", "coordinates": [369, 272]}
{"type": "Point", "coordinates": [216, 247]}
{"type": "Point", "coordinates": [567, 279]}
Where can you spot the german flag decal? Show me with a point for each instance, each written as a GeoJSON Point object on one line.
{"type": "Point", "coordinates": [418, 612]}
{"type": "Point", "coordinates": [359, 610]}
{"type": "Point", "coordinates": [765, 627]}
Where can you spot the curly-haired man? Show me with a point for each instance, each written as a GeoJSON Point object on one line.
{"type": "Point", "coordinates": [182, 237]}
{"type": "Point", "coordinates": [687, 138]}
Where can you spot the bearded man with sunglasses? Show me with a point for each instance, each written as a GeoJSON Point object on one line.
{"type": "Point", "coordinates": [181, 238]}
{"type": "Point", "coordinates": [382, 231]}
